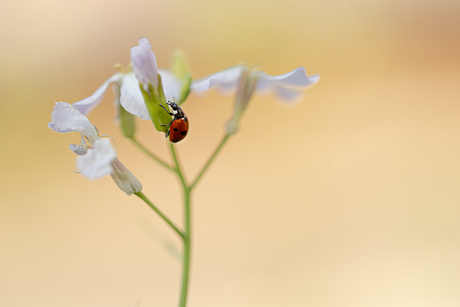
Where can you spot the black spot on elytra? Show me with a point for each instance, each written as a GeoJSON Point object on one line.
{"type": "Point", "coordinates": [175, 129]}
{"type": "Point", "coordinates": [183, 132]}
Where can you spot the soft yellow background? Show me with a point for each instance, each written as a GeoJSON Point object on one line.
{"type": "Point", "coordinates": [349, 199]}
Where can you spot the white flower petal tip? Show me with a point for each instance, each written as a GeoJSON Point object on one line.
{"type": "Point", "coordinates": [144, 63]}
{"type": "Point", "coordinates": [88, 104]}
{"type": "Point", "coordinates": [65, 119]}
{"type": "Point", "coordinates": [297, 78]}
{"type": "Point", "coordinates": [225, 80]}
{"type": "Point", "coordinates": [131, 97]}
{"type": "Point", "coordinates": [124, 179]}
{"type": "Point", "coordinates": [97, 163]}
{"type": "Point", "coordinates": [287, 87]}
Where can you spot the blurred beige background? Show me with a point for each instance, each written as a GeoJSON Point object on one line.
{"type": "Point", "coordinates": [349, 199]}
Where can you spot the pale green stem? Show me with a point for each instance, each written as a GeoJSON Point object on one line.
{"type": "Point", "coordinates": [151, 155]}
{"type": "Point", "coordinates": [165, 218]}
{"type": "Point", "coordinates": [178, 168]}
{"type": "Point", "coordinates": [214, 155]}
{"type": "Point", "coordinates": [187, 232]}
{"type": "Point", "coordinates": [186, 260]}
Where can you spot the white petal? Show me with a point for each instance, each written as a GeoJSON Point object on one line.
{"type": "Point", "coordinates": [287, 87]}
{"type": "Point", "coordinates": [297, 79]}
{"type": "Point", "coordinates": [97, 163]}
{"type": "Point", "coordinates": [86, 105]}
{"type": "Point", "coordinates": [131, 97]}
{"type": "Point", "coordinates": [65, 118]}
{"type": "Point", "coordinates": [226, 80]}
{"type": "Point", "coordinates": [80, 149]}
{"type": "Point", "coordinates": [171, 84]}
{"type": "Point", "coordinates": [144, 63]}
{"type": "Point", "coordinates": [124, 179]}
{"type": "Point", "coordinates": [288, 96]}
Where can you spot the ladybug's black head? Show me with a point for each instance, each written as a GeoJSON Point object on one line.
{"type": "Point", "coordinates": [173, 105]}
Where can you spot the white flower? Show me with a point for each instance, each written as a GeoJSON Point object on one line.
{"type": "Point", "coordinates": [245, 81]}
{"type": "Point", "coordinates": [287, 87]}
{"type": "Point", "coordinates": [144, 67]}
{"type": "Point", "coordinates": [155, 87]}
{"type": "Point", "coordinates": [98, 158]}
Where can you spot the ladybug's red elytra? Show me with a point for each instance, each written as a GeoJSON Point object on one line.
{"type": "Point", "coordinates": [178, 127]}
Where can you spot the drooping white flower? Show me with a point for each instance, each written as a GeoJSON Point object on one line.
{"type": "Point", "coordinates": [98, 158]}
{"type": "Point", "coordinates": [244, 81]}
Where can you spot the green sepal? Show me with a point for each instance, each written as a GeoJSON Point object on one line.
{"type": "Point", "coordinates": [185, 90]}
{"type": "Point", "coordinates": [179, 64]}
{"type": "Point", "coordinates": [153, 100]}
{"type": "Point", "coordinates": [127, 122]}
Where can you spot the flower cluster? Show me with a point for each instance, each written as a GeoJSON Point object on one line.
{"type": "Point", "coordinates": [144, 90]}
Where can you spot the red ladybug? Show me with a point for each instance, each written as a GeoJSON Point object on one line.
{"type": "Point", "coordinates": [178, 128]}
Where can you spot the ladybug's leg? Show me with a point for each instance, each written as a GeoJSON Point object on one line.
{"type": "Point", "coordinates": [166, 110]}
{"type": "Point", "coordinates": [169, 130]}
{"type": "Point", "coordinates": [169, 124]}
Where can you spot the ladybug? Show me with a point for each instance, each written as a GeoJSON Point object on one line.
{"type": "Point", "coordinates": [178, 128]}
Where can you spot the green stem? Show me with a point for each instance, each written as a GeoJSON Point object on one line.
{"type": "Point", "coordinates": [178, 168]}
{"type": "Point", "coordinates": [151, 155]}
{"type": "Point", "coordinates": [165, 218]}
{"type": "Point", "coordinates": [187, 212]}
{"type": "Point", "coordinates": [201, 173]}
{"type": "Point", "coordinates": [187, 233]}
{"type": "Point", "coordinates": [186, 259]}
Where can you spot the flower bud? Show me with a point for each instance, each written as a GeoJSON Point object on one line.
{"type": "Point", "coordinates": [144, 64]}
{"type": "Point", "coordinates": [127, 120]}
{"type": "Point", "coordinates": [244, 93]}
{"type": "Point", "coordinates": [181, 69]}
{"type": "Point", "coordinates": [179, 64]}
{"type": "Point", "coordinates": [124, 179]}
